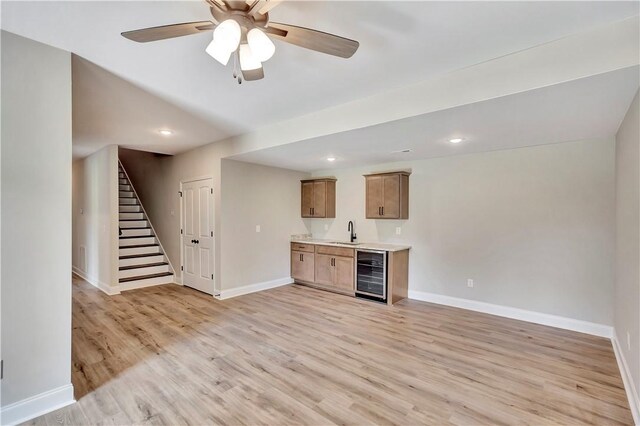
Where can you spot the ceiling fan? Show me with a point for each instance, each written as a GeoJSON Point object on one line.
{"type": "Point", "coordinates": [241, 28]}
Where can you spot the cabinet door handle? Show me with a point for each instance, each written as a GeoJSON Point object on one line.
{"type": "Point", "coordinates": [300, 257]}
{"type": "Point", "coordinates": [382, 210]}
{"type": "Point", "coordinates": [313, 211]}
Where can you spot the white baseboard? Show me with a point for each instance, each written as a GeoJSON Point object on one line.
{"type": "Point", "coordinates": [515, 313]}
{"type": "Point", "coordinates": [252, 288]}
{"type": "Point", "coordinates": [95, 282]}
{"type": "Point", "coordinates": [37, 405]}
{"type": "Point", "coordinates": [629, 386]}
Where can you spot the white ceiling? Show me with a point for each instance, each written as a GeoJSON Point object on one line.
{"type": "Point", "coordinates": [401, 43]}
{"type": "Point", "coordinates": [108, 110]}
{"type": "Point", "coordinates": [591, 107]}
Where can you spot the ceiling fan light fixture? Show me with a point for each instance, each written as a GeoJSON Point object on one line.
{"type": "Point", "coordinates": [227, 35]}
{"type": "Point", "coordinates": [248, 61]}
{"type": "Point", "coordinates": [217, 52]}
{"type": "Point", "coordinates": [261, 45]}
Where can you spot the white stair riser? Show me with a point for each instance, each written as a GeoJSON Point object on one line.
{"type": "Point", "coordinates": [124, 251]}
{"type": "Point", "coordinates": [137, 241]}
{"type": "Point", "coordinates": [135, 232]}
{"type": "Point", "coordinates": [141, 260]}
{"type": "Point", "coordinates": [130, 209]}
{"type": "Point", "coordinates": [129, 201]}
{"type": "Point", "coordinates": [121, 176]}
{"type": "Point", "coordinates": [133, 224]}
{"type": "Point", "coordinates": [143, 271]}
{"type": "Point", "coordinates": [139, 216]}
{"type": "Point", "coordinates": [125, 194]}
{"type": "Point", "coordinates": [145, 283]}
{"type": "Point", "coordinates": [123, 181]}
{"type": "Point", "coordinates": [124, 188]}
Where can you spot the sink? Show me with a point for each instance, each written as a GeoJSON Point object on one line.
{"type": "Point", "coordinates": [345, 243]}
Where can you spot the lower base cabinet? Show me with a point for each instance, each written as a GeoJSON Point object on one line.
{"type": "Point", "coordinates": [332, 268]}
{"type": "Point", "coordinates": [302, 266]}
{"type": "Point", "coordinates": [335, 271]}
{"type": "Point", "coordinates": [344, 273]}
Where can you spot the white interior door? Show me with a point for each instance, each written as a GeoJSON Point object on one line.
{"type": "Point", "coordinates": [198, 235]}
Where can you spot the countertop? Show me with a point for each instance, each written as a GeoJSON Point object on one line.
{"type": "Point", "coordinates": [360, 246]}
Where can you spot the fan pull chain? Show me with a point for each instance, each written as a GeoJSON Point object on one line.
{"type": "Point", "coordinates": [235, 66]}
{"type": "Point", "coordinates": [236, 74]}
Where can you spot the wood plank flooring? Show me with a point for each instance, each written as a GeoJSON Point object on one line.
{"type": "Point", "coordinates": [296, 355]}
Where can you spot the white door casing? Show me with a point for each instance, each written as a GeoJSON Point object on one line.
{"type": "Point", "coordinates": [197, 237]}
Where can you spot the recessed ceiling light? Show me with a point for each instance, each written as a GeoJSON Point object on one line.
{"type": "Point", "coordinates": [165, 132]}
{"type": "Point", "coordinates": [455, 140]}
{"type": "Point", "coordinates": [331, 158]}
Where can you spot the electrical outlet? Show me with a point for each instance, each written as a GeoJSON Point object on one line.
{"type": "Point", "coordinates": [470, 283]}
{"type": "Point", "coordinates": [628, 341]}
{"type": "Point", "coordinates": [398, 230]}
{"type": "Point", "coordinates": [257, 228]}
{"type": "Point", "coordinates": [326, 227]}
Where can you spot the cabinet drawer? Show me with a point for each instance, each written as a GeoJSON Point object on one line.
{"type": "Point", "coordinates": [302, 247]}
{"type": "Point", "coordinates": [335, 251]}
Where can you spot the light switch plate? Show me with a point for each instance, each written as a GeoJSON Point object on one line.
{"type": "Point", "coordinates": [257, 228]}
{"type": "Point", "coordinates": [398, 230]}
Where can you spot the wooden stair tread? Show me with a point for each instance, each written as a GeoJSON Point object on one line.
{"type": "Point", "coordinates": [147, 265]}
{"type": "Point", "coordinates": [129, 220]}
{"type": "Point", "coordinates": [139, 246]}
{"type": "Point", "coordinates": [134, 256]}
{"type": "Point", "coordinates": [145, 277]}
{"type": "Point", "coordinates": [140, 227]}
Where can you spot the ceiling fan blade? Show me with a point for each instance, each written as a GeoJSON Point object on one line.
{"type": "Point", "coordinates": [168, 31]}
{"type": "Point", "coordinates": [261, 7]}
{"type": "Point", "coordinates": [312, 39]}
{"type": "Point", "coordinates": [253, 74]}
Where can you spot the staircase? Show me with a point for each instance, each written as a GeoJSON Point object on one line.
{"type": "Point", "coordinates": [142, 262]}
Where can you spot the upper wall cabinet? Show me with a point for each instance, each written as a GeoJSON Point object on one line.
{"type": "Point", "coordinates": [387, 195]}
{"type": "Point", "coordinates": [319, 198]}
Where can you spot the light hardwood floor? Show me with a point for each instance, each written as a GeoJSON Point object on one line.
{"type": "Point", "coordinates": [296, 355]}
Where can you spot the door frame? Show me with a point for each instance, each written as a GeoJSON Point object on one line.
{"type": "Point", "coordinates": [216, 290]}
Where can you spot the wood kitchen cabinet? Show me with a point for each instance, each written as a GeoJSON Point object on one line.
{"type": "Point", "coordinates": [335, 271]}
{"type": "Point", "coordinates": [302, 266]}
{"type": "Point", "coordinates": [328, 267]}
{"type": "Point", "coordinates": [335, 268]}
{"type": "Point", "coordinates": [318, 198]}
{"type": "Point", "coordinates": [387, 195]}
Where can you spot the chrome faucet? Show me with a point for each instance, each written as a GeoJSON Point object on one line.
{"type": "Point", "coordinates": [350, 229]}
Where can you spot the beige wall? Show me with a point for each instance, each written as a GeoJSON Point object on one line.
{"type": "Point", "coordinates": [36, 226]}
{"type": "Point", "coordinates": [95, 218]}
{"type": "Point", "coordinates": [258, 195]}
{"type": "Point", "coordinates": [533, 227]}
{"type": "Point", "coordinates": [627, 284]}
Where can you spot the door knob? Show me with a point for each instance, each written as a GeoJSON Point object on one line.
{"type": "Point", "coordinates": [193, 241]}
{"type": "Point", "coordinates": [197, 241]}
